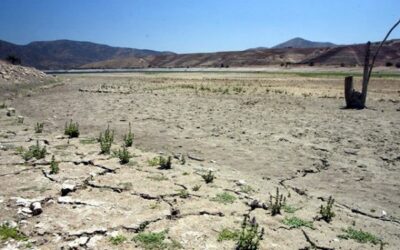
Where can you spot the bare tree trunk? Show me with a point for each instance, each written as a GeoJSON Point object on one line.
{"type": "Point", "coordinates": [354, 99]}
{"type": "Point", "coordinates": [365, 79]}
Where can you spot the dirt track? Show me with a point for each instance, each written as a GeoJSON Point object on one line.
{"type": "Point", "coordinates": [268, 129]}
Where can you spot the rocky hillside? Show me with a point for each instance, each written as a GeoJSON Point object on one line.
{"type": "Point", "coordinates": [18, 74]}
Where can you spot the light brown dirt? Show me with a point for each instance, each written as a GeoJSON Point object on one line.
{"type": "Point", "coordinates": [270, 130]}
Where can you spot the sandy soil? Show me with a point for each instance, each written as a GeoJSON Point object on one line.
{"type": "Point", "coordinates": [269, 130]}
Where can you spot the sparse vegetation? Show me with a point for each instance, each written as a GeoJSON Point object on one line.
{"type": "Point", "coordinates": [124, 155]}
{"type": "Point", "coordinates": [196, 188]}
{"type": "Point", "coordinates": [165, 163]}
{"type": "Point", "coordinates": [158, 178]}
{"type": "Point", "coordinates": [289, 209]}
{"type": "Point", "coordinates": [106, 141]}
{"type": "Point", "coordinates": [7, 232]}
{"type": "Point", "coordinates": [360, 236]}
{"type": "Point", "coordinates": [54, 169]}
{"type": "Point", "coordinates": [250, 235]}
{"type": "Point", "coordinates": [154, 162]}
{"type": "Point", "coordinates": [326, 212]}
{"type": "Point", "coordinates": [295, 222]}
{"type": "Point", "coordinates": [224, 198]}
{"type": "Point", "coordinates": [34, 151]}
{"type": "Point", "coordinates": [128, 138]}
{"type": "Point", "coordinates": [155, 241]}
{"type": "Point", "coordinates": [86, 141]}
{"type": "Point", "coordinates": [183, 193]}
{"type": "Point", "coordinates": [39, 127]}
{"type": "Point", "coordinates": [227, 234]}
{"type": "Point", "coordinates": [276, 203]}
{"type": "Point", "coordinates": [246, 189]}
{"type": "Point", "coordinates": [71, 129]}
{"type": "Point", "coordinates": [209, 177]}
{"type": "Point", "coordinates": [117, 240]}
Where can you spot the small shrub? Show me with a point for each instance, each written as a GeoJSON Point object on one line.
{"type": "Point", "coordinates": [117, 240]}
{"type": "Point", "coordinates": [165, 163]}
{"type": "Point", "coordinates": [360, 236]}
{"type": "Point", "coordinates": [326, 212]}
{"type": "Point", "coordinates": [295, 222]}
{"type": "Point", "coordinates": [196, 188]}
{"type": "Point", "coordinates": [227, 234]}
{"type": "Point", "coordinates": [3, 106]}
{"type": "Point", "coordinates": [124, 155]}
{"type": "Point", "coordinates": [276, 203]}
{"type": "Point", "coordinates": [20, 119]}
{"type": "Point", "coordinates": [128, 138]}
{"type": "Point", "coordinates": [39, 127]}
{"type": "Point", "coordinates": [7, 232]}
{"type": "Point", "coordinates": [183, 193]}
{"type": "Point", "coordinates": [250, 235]}
{"type": "Point", "coordinates": [106, 141]}
{"type": "Point", "coordinates": [209, 177]}
{"type": "Point", "coordinates": [71, 129]}
{"type": "Point", "coordinates": [388, 64]}
{"type": "Point", "coordinates": [224, 198]}
{"type": "Point", "coordinates": [34, 151]}
{"type": "Point", "coordinates": [397, 65]}
{"type": "Point", "coordinates": [158, 178]}
{"type": "Point", "coordinates": [54, 169]}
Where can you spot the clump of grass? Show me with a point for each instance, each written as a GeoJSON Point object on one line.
{"type": "Point", "coordinates": [118, 239]}
{"type": "Point", "coordinates": [295, 222]}
{"type": "Point", "coordinates": [165, 163]}
{"type": "Point", "coordinates": [34, 151]}
{"type": "Point", "coordinates": [128, 138]}
{"type": "Point", "coordinates": [39, 127]}
{"type": "Point", "coordinates": [224, 198]}
{"type": "Point", "coordinates": [3, 105]}
{"type": "Point", "coordinates": [71, 129]}
{"type": "Point", "coordinates": [246, 189]}
{"type": "Point", "coordinates": [123, 155]}
{"type": "Point", "coordinates": [289, 209]}
{"type": "Point", "coordinates": [7, 232]}
{"type": "Point", "coordinates": [158, 178]}
{"type": "Point", "coordinates": [276, 203]}
{"type": "Point", "coordinates": [227, 234]}
{"type": "Point", "coordinates": [54, 169]}
{"type": "Point", "coordinates": [250, 235]}
{"type": "Point", "coordinates": [88, 141]}
{"type": "Point", "coordinates": [360, 236]}
{"type": "Point", "coordinates": [152, 241]}
{"type": "Point", "coordinates": [209, 177]}
{"type": "Point", "coordinates": [106, 141]}
{"type": "Point", "coordinates": [326, 212]}
{"type": "Point", "coordinates": [196, 188]}
{"type": "Point", "coordinates": [183, 193]}
{"type": "Point", "coordinates": [154, 162]}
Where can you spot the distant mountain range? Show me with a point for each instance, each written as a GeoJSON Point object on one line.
{"type": "Point", "coordinates": [67, 54]}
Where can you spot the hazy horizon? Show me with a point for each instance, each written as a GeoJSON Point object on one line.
{"type": "Point", "coordinates": [190, 27]}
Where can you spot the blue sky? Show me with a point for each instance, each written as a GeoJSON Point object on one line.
{"type": "Point", "coordinates": [197, 25]}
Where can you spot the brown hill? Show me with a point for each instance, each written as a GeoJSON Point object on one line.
{"type": "Point", "coordinates": [347, 55]}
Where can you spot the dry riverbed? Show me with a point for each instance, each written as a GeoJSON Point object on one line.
{"type": "Point", "coordinates": [256, 132]}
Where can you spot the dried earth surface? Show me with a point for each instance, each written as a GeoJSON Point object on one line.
{"type": "Point", "coordinates": [257, 132]}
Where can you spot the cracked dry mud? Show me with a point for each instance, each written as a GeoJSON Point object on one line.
{"type": "Point", "coordinates": [269, 131]}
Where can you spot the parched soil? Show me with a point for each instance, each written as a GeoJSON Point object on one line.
{"type": "Point", "coordinates": [257, 132]}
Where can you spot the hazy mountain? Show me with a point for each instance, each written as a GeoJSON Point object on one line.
{"type": "Point", "coordinates": [66, 54]}
{"type": "Point", "coordinates": [302, 43]}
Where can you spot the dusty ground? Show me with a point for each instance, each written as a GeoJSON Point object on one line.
{"type": "Point", "coordinates": [270, 130]}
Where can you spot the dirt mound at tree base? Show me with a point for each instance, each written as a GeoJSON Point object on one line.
{"type": "Point", "coordinates": [10, 73]}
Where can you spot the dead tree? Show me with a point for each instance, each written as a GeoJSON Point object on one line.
{"type": "Point", "coordinates": [355, 99]}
